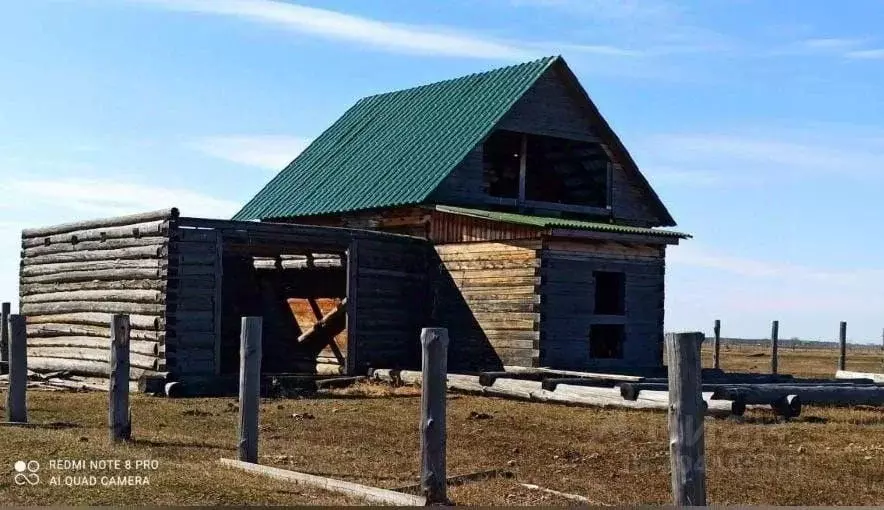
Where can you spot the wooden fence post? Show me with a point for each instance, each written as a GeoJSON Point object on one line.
{"type": "Point", "coordinates": [434, 369]}
{"type": "Point", "coordinates": [842, 340]}
{"type": "Point", "coordinates": [716, 346]}
{"type": "Point", "coordinates": [4, 337]}
{"type": "Point", "coordinates": [774, 341]}
{"type": "Point", "coordinates": [686, 410]}
{"type": "Point", "coordinates": [249, 387]}
{"type": "Point", "coordinates": [16, 398]}
{"type": "Point", "coordinates": [118, 417]}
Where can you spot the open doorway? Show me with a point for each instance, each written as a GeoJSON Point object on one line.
{"type": "Point", "coordinates": [302, 298]}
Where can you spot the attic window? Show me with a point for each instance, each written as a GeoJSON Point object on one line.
{"type": "Point", "coordinates": [502, 156]}
{"type": "Point", "coordinates": [555, 170]}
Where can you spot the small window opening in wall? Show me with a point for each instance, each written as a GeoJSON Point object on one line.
{"type": "Point", "coordinates": [610, 293]}
{"type": "Point", "coordinates": [501, 159]}
{"type": "Point", "coordinates": [606, 341]}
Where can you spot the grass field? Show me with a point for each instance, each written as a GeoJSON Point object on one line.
{"type": "Point", "coordinates": [368, 434]}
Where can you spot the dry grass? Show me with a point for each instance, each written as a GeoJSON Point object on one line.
{"type": "Point", "coordinates": [368, 434]}
{"type": "Point", "coordinates": [800, 362]}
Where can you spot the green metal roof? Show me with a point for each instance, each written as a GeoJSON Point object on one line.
{"type": "Point", "coordinates": [395, 148]}
{"type": "Point", "coordinates": [548, 222]}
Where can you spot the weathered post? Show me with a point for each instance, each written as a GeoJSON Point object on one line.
{"type": "Point", "coordinates": [774, 341]}
{"type": "Point", "coordinates": [842, 341]}
{"type": "Point", "coordinates": [4, 337]}
{"type": "Point", "coordinates": [16, 399]}
{"type": "Point", "coordinates": [716, 360]}
{"type": "Point", "coordinates": [686, 440]}
{"type": "Point", "coordinates": [118, 417]}
{"type": "Point", "coordinates": [434, 368]}
{"type": "Point", "coordinates": [249, 387]}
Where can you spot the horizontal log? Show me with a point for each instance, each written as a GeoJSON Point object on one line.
{"type": "Point", "coordinates": [136, 321]}
{"type": "Point", "coordinates": [86, 354]}
{"type": "Point", "coordinates": [574, 373]}
{"type": "Point", "coordinates": [488, 378]}
{"type": "Point", "coordinates": [520, 255]}
{"type": "Point", "coordinates": [821, 395]}
{"type": "Point", "coordinates": [92, 306]}
{"type": "Point", "coordinates": [48, 269]}
{"type": "Point", "coordinates": [193, 340]}
{"type": "Point", "coordinates": [565, 394]}
{"type": "Point", "coordinates": [39, 248]}
{"type": "Point", "coordinates": [369, 494]}
{"type": "Point", "coordinates": [149, 362]}
{"type": "Point", "coordinates": [789, 406]}
{"type": "Point", "coordinates": [155, 251]}
{"type": "Point", "coordinates": [52, 330]}
{"type": "Point", "coordinates": [551, 383]}
{"type": "Point", "coordinates": [144, 347]}
{"type": "Point", "coordinates": [490, 264]}
{"type": "Point", "coordinates": [128, 295]}
{"type": "Point", "coordinates": [81, 367]}
{"type": "Point", "coordinates": [100, 285]}
{"type": "Point", "coordinates": [105, 274]}
{"type": "Point", "coordinates": [131, 219]}
{"type": "Point", "coordinates": [847, 374]}
{"type": "Point", "coordinates": [157, 232]}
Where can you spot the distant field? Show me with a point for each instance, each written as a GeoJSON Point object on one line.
{"type": "Point", "coordinates": [801, 361]}
{"type": "Point", "coordinates": [369, 434]}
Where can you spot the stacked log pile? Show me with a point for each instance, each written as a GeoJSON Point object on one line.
{"type": "Point", "coordinates": [724, 394]}
{"type": "Point", "coordinates": [75, 276]}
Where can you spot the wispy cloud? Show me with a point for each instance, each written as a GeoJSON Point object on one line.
{"type": "Point", "coordinates": [869, 54]}
{"type": "Point", "coordinates": [265, 151]}
{"type": "Point", "coordinates": [763, 154]}
{"type": "Point", "coordinates": [107, 197]}
{"type": "Point", "coordinates": [397, 37]}
{"type": "Point", "coordinates": [749, 292]}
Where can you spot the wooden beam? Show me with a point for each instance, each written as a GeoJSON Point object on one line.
{"type": "Point", "coordinates": [686, 441]}
{"type": "Point", "coordinates": [119, 415]}
{"type": "Point", "coordinates": [369, 494]}
{"type": "Point", "coordinates": [716, 346]}
{"type": "Point", "coordinates": [842, 345]}
{"type": "Point", "coordinates": [4, 335]}
{"type": "Point", "coordinates": [774, 341]}
{"type": "Point", "coordinates": [321, 325]}
{"type": "Point", "coordinates": [249, 388]}
{"type": "Point", "coordinates": [434, 367]}
{"type": "Point", "coordinates": [163, 214]}
{"type": "Point", "coordinates": [16, 403]}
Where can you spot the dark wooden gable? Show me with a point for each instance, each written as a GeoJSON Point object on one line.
{"type": "Point", "coordinates": [556, 106]}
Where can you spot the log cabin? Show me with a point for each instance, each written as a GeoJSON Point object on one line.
{"type": "Point", "coordinates": [499, 205]}
{"type": "Point", "coordinates": [547, 249]}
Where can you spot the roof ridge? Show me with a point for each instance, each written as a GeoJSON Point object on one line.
{"type": "Point", "coordinates": [547, 61]}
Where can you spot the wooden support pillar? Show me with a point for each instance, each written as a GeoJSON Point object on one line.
{"type": "Point", "coordinates": [774, 344]}
{"type": "Point", "coordinates": [434, 368]}
{"type": "Point", "coordinates": [249, 388]}
{"type": "Point", "coordinates": [686, 410]}
{"type": "Point", "coordinates": [16, 398]}
{"type": "Point", "coordinates": [842, 343]}
{"type": "Point", "coordinates": [4, 337]}
{"type": "Point", "coordinates": [716, 346]}
{"type": "Point", "coordinates": [118, 415]}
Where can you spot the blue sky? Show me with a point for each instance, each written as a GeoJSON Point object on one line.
{"type": "Point", "coordinates": [759, 123]}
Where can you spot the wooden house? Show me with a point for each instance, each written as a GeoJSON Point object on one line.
{"type": "Point", "coordinates": [546, 250]}
{"type": "Point", "coordinates": [500, 205]}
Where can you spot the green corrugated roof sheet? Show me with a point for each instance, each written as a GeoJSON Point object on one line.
{"type": "Point", "coordinates": [394, 149]}
{"type": "Point", "coordinates": [547, 222]}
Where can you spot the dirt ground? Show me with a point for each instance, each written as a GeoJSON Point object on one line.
{"type": "Point", "coordinates": [368, 434]}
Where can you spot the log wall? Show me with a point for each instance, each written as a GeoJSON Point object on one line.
{"type": "Point", "coordinates": [567, 297]}
{"type": "Point", "coordinates": [75, 276]}
{"type": "Point", "coordinates": [485, 294]}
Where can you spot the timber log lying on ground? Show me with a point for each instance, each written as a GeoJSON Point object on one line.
{"type": "Point", "coordinates": [724, 394]}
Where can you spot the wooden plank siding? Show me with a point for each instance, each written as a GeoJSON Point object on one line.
{"type": "Point", "coordinates": [484, 293]}
{"type": "Point", "coordinates": [567, 297]}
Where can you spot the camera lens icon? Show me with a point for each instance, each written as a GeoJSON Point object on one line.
{"type": "Point", "coordinates": [26, 472]}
